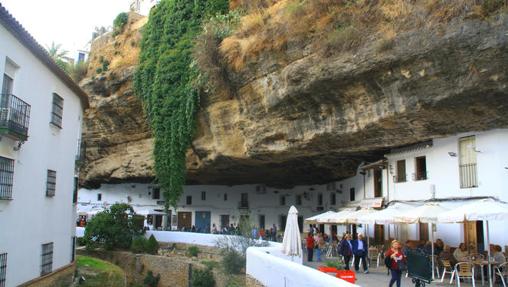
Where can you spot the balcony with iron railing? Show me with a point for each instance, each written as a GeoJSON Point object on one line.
{"type": "Point", "coordinates": [14, 117]}
{"type": "Point", "coordinates": [243, 205]}
{"type": "Point", "coordinates": [468, 175]}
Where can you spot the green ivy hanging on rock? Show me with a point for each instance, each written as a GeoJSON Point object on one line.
{"type": "Point", "coordinates": [166, 82]}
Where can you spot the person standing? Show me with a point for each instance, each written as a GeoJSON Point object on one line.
{"type": "Point", "coordinates": [360, 253]}
{"type": "Point", "coordinates": [346, 249]}
{"type": "Point", "coordinates": [310, 247]}
{"type": "Point", "coordinates": [320, 246]}
{"type": "Point", "coordinates": [396, 262]}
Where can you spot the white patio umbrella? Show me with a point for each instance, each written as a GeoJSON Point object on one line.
{"type": "Point", "coordinates": [291, 244]}
{"type": "Point", "coordinates": [314, 219]}
{"type": "Point", "coordinates": [484, 210]}
{"type": "Point", "coordinates": [384, 216]}
{"type": "Point", "coordinates": [337, 218]}
{"type": "Point", "coordinates": [426, 213]}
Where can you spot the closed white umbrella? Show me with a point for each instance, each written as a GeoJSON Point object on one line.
{"type": "Point", "coordinates": [291, 244]}
{"type": "Point", "coordinates": [483, 210]}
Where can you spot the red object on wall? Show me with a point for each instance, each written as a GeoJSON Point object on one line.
{"type": "Point", "coordinates": [346, 275]}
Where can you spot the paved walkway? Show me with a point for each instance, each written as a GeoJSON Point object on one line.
{"type": "Point", "coordinates": [377, 277]}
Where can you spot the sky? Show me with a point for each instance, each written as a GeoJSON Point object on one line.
{"type": "Point", "coordinates": [66, 22]}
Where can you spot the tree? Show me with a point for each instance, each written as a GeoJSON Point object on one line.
{"type": "Point", "coordinates": [112, 228]}
{"type": "Point", "coordinates": [58, 55]}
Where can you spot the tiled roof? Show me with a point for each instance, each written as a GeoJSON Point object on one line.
{"type": "Point", "coordinates": [17, 30]}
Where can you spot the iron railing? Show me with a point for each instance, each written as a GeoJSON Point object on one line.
{"type": "Point", "coordinates": [243, 204]}
{"type": "Point", "coordinates": [468, 175]}
{"type": "Point", "coordinates": [14, 116]}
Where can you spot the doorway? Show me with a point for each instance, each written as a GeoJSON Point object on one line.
{"type": "Point", "coordinates": [184, 220]}
{"type": "Point", "coordinates": [158, 222]}
{"type": "Point", "coordinates": [378, 182]}
{"type": "Point", "coordinates": [379, 234]}
{"type": "Point", "coordinates": [262, 221]}
{"type": "Point", "coordinates": [424, 231]}
{"type": "Point", "coordinates": [224, 221]}
{"type": "Point", "coordinates": [203, 219]}
{"type": "Point", "coordinates": [474, 236]}
{"type": "Point", "coordinates": [300, 223]}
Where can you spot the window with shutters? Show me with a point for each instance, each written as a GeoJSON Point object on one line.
{"type": "Point", "coordinates": [420, 168]}
{"type": "Point", "coordinates": [320, 199]}
{"type": "Point", "coordinates": [401, 171]}
{"type": "Point", "coordinates": [6, 177]}
{"type": "Point", "coordinates": [282, 200]}
{"type": "Point", "coordinates": [467, 162]}
{"type": "Point", "coordinates": [298, 199]}
{"type": "Point", "coordinates": [51, 183]}
{"type": "Point", "coordinates": [57, 110]}
{"type": "Point", "coordinates": [3, 269]}
{"type": "Point", "coordinates": [156, 193]}
{"type": "Point", "coordinates": [333, 198]}
{"type": "Point", "coordinates": [47, 258]}
{"type": "Point", "coordinates": [203, 195]}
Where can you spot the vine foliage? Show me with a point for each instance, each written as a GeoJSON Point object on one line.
{"type": "Point", "coordinates": [166, 81]}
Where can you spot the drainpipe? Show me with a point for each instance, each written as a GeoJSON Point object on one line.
{"type": "Point", "coordinates": [387, 183]}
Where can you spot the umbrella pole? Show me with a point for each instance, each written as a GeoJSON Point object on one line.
{"type": "Point", "coordinates": [432, 246]}
{"type": "Point", "coordinates": [488, 252]}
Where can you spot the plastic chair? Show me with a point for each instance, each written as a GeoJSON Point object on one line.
{"type": "Point", "coordinates": [464, 270]}
{"type": "Point", "coordinates": [374, 254]}
{"type": "Point", "coordinates": [502, 272]}
{"type": "Point", "coordinates": [447, 269]}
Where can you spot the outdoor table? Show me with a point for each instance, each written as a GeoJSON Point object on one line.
{"type": "Point", "coordinates": [481, 263]}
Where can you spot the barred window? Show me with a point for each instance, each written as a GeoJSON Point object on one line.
{"type": "Point", "coordinates": [57, 110]}
{"type": "Point", "coordinates": [6, 177]}
{"type": "Point", "coordinates": [51, 183]}
{"type": "Point", "coordinates": [47, 258]}
{"type": "Point", "coordinates": [3, 269]}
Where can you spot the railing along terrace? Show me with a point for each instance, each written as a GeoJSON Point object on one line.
{"type": "Point", "coordinates": [14, 116]}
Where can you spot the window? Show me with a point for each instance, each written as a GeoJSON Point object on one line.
{"type": "Point", "coordinates": [352, 194]}
{"type": "Point", "coordinates": [57, 110]}
{"type": "Point", "coordinates": [156, 193]}
{"type": "Point", "coordinates": [320, 199]}
{"type": "Point", "coordinates": [244, 200]}
{"type": "Point", "coordinates": [3, 269]}
{"type": "Point", "coordinates": [75, 191]}
{"type": "Point", "coordinates": [282, 200]}
{"type": "Point", "coordinates": [282, 221]}
{"type": "Point", "coordinates": [401, 171]}
{"type": "Point", "coordinates": [333, 198]}
{"type": "Point", "coordinates": [203, 195]}
{"type": "Point", "coordinates": [99, 196]}
{"type": "Point", "coordinates": [421, 168]}
{"type": "Point", "coordinates": [51, 183]}
{"type": "Point", "coordinates": [47, 258]}
{"type": "Point", "coordinates": [298, 199]}
{"type": "Point", "coordinates": [73, 248]}
{"type": "Point", "coordinates": [225, 197]}
{"type": "Point", "coordinates": [7, 85]}
{"type": "Point", "coordinates": [188, 200]}
{"type": "Point", "coordinates": [6, 177]}
{"type": "Point", "coordinates": [467, 162]}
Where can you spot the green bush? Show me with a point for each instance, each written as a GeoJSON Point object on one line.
{"type": "Point", "coordinates": [138, 244]}
{"type": "Point", "coordinates": [98, 70]}
{"type": "Point", "coordinates": [119, 23]}
{"type": "Point", "coordinates": [335, 264]}
{"type": "Point", "coordinates": [151, 280]}
{"type": "Point", "coordinates": [193, 251]}
{"type": "Point", "coordinates": [233, 262]}
{"type": "Point", "coordinates": [112, 228]}
{"type": "Point", "coordinates": [210, 264]}
{"type": "Point", "coordinates": [151, 245]}
{"type": "Point", "coordinates": [202, 278]}
{"type": "Point", "coordinates": [489, 6]}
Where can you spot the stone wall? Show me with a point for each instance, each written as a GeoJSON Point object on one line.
{"type": "Point", "coordinates": [62, 277]}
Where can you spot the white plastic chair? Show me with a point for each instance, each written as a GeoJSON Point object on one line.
{"type": "Point", "coordinates": [464, 270]}
{"type": "Point", "coordinates": [502, 272]}
{"type": "Point", "coordinates": [447, 269]}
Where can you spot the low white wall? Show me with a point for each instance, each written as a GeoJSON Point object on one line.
{"type": "Point", "coordinates": [266, 265]}
{"type": "Point", "coordinates": [203, 239]}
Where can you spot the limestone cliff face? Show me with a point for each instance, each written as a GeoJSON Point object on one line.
{"type": "Point", "coordinates": [313, 118]}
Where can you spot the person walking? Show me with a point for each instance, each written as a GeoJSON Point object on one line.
{"type": "Point", "coordinates": [320, 246]}
{"type": "Point", "coordinates": [360, 252]}
{"type": "Point", "coordinates": [310, 247]}
{"type": "Point", "coordinates": [346, 249]}
{"type": "Point", "coordinates": [395, 260]}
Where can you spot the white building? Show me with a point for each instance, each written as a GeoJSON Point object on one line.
{"type": "Point", "coordinates": [450, 169]}
{"type": "Point", "coordinates": [143, 7]}
{"type": "Point", "coordinates": [205, 205]}
{"type": "Point", "coordinates": [40, 124]}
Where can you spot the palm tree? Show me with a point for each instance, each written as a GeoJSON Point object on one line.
{"type": "Point", "coordinates": [58, 55]}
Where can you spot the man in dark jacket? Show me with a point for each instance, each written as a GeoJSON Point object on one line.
{"type": "Point", "coordinates": [346, 249]}
{"type": "Point", "coordinates": [360, 250]}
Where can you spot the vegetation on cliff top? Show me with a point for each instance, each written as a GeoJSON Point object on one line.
{"type": "Point", "coordinates": [166, 82]}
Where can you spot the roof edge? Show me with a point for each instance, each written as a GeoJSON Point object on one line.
{"type": "Point", "coordinates": [22, 35]}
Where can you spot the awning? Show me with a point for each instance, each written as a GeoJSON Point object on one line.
{"type": "Point", "coordinates": [314, 219]}
{"type": "Point", "coordinates": [484, 209]}
{"type": "Point", "coordinates": [426, 213]}
{"type": "Point", "coordinates": [146, 212]}
{"type": "Point", "coordinates": [385, 216]}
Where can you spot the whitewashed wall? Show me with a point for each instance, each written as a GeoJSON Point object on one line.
{"type": "Point", "coordinates": [264, 265]}
{"type": "Point", "coordinates": [261, 203]}
{"type": "Point", "coordinates": [31, 218]}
